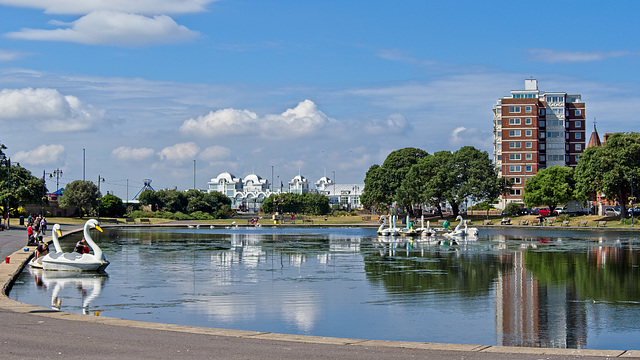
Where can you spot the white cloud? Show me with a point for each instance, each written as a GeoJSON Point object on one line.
{"type": "Point", "coordinates": [394, 124]}
{"type": "Point", "coordinates": [215, 152]}
{"type": "Point", "coordinates": [560, 56]}
{"type": "Point", "coordinates": [10, 55]}
{"type": "Point", "coordinates": [179, 152]}
{"type": "Point", "coordinates": [462, 136]}
{"type": "Point", "coordinates": [113, 28]}
{"type": "Point", "coordinates": [43, 154]}
{"type": "Point", "coordinates": [75, 7]}
{"type": "Point", "coordinates": [126, 153]}
{"type": "Point", "coordinates": [48, 109]}
{"type": "Point", "coordinates": [302, 120]}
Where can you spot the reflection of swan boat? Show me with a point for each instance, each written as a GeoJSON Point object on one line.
{"type": "Point", "coordinates": [89, 285]}
{"type": "Point", "coordinates": [391, 230]}
{"type": "Point", "coordinates": [467, 232]}
{"type": "Point", "coordinates": [75, 261]}
{"type": "Point", "coordinates": [55, 232]}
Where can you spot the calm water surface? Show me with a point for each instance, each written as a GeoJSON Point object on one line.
{"type": "Point", "coordinates": [516, 287]}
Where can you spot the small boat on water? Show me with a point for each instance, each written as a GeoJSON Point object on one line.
{"type": "Point", "coordinates": [467, 232]}
{"type": "Point", "coordinates": [391, 230]}
{"type": "Point", "coordinates": [76, 261]}
{"type": "Point", "coordinates": [36, 263]}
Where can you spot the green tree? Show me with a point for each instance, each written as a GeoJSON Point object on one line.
{"type": "Point", "coordinates": [17, 185]}
{"type": "Point", "coordinates": [467, 173]}
{"type": "Point", "coordinates": [550, 187]}
{"type": "Point", "coordinates": [112, 206]}
{"type": "Point", "coordinates": [149, 198]}
{"type": "Point", "coordinates": [83, 195]}
{"type": "Point", "coordinates": [381, 183]}
{"type": "Point", "coordinates": [610, 169]}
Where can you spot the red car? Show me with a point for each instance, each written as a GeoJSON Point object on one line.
{"type": "Point", "coordinates": [544, 211]}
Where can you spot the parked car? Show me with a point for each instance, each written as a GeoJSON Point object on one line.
{"type": "Point", "coordinates": [534, 212]}
{"type": "Point", "coordinates": [635, 211]}
{"type": "Point", "coordinates": [525, 211]}
{"type": "Point", "coordinates": [560, 210]}
{"type": "Point", "coordinates": [544, 211]}
{"type": "Point", "coordinates": [612, 211]}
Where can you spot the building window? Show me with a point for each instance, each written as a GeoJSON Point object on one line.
{"type": "Point", "coordinates": [515, 192]}
{"type": "Point", "coordinates": [514, 109]}
{"type": "Point", "coordinates": [514, 145]}
{"type": "Point", "coordinates": [515, 168]}
{"type": "Point", "coordinates": [541, 112]}
{"type": "Point", "coordinates": [543, 158]}
{"type": "Point", "coordinates": [528, 144]}
{"type": "Point", "coordinates": [542, 123]}
{"type": "Point", "coordinates": [554, 134]}
{"type": "Point", "coordinates": [528, 168]}
{"type": "Point", "coordinates": [542, 146]}
{"type": "Point", "coordinates": [578, 136]}
{"type": "Point", "coordinates": [514, 133]}
{"type": "Point", "coordinates": [577, 113]}
{"type": "Point", "coordinates": [578, 147]}
{"type": "Point", "coordinates": [528, 121]}
{"type": "Point", "coordinates": [527, 109]}
{"type": "Point", "coordinates": [542, 134]}
{"type": "Point", "coordinates": [578, 123]}
{"type": "Point", "coordinates": [516, 180]}
{"type": "Point", "coordinates": [528, 133]}
{"type": "Point", "coordinates": [514, 156]}
{"type": "Point", "coordinates": [528, 156]}
{"type": "Point", "coordinates": [499, 157]}
{"type": "Point", "coordinates": [515, 121]}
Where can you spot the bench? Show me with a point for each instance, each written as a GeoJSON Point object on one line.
{"type": "Point", "coordinates": [549, 222]}
{"type": "Point", "coordinates": [582, 223]}
{"type": "Point", "coordinates": [602, 223]}
{"type": "Point", "coordinates": [310, 221]}
{"type": "Point", "coordinates": [536, 222]}
{"type": "Point", "coordinates": [505, 222]}
{"type": "Point", "coordinates": [565, 223]}
{"type": "Point", "coordinates": [524, 222]}
{"type": "Point", "coordinates": [145, 221]}
{"type": "Point", "coordinates": [486, 222]}
{"type": "Point", "coordinates": [129, 221]}
{"type": "Point", "coordinates": [366, 218]}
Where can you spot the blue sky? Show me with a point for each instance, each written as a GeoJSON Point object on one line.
{"type": "Point", "coordinates": [309, 87]}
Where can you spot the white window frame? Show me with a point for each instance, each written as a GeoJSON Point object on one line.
{"type": "Point", "coordinates": [514, 121]}
{"type": "Point", "coordinates": [528, 121]}
{"type": "Point", "coordinates": [514, 109]}
{"type": "Point", "coordinates": [577, 112]}
{"type": "Point", "coordinates": [515, 157]}
{"type": "Point", "coordinates": [528, 133]}
{"type": "Point", "coordinates": [515, 133]}
{"type": "Point", "coordinates": [528, 144]}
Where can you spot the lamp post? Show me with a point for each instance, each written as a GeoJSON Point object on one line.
{"type": "Point", "coordinates": [57, 173]}
{"type": "Point", "coordinates": [100, 179]}
{"type": "Point", "coordinates": [7, 163]}
{"type": "Point", "coordinates": [44, 195]}
{"type": "Point", "coordinates": [334, 187]}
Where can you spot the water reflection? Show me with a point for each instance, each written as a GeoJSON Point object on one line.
{"type": "Point", "coordinates": [85, 286]}
{"type": "Point", "coordinates": [515, 288]}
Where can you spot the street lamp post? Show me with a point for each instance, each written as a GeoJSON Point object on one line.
{"type": "Point", "coordinates": [7, 163]}
{"type": "Point", "coordinates": [44, 195]}
{"type": "Point", "coordinates": [100, 179]}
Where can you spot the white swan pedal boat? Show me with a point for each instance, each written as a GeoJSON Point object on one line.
{"type": "Point", "coordinates": [75, 261]}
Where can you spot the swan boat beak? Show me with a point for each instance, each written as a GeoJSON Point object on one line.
{"type": "Point", "coordinates": [59, 232]}
{"type": "Point", "coordinates": [99, 228]}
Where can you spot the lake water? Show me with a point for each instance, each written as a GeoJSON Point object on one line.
{"type": "Point", "coordinates": [513, 287]}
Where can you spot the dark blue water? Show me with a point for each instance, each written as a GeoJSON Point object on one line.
{"type": "Point", "coordinates": [551, 288]}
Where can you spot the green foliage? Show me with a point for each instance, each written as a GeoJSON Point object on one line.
{"type": "Point", "coordinates": [550, 187]}
{"type": "Point", "coordinates": [610, 169]}
{"type": "Point", "coordinates": [513, 209]}
{"type": "Point", "coordinates": [465, 174]}
{"type": "Point", "coordinates": [307, 203]}
{"type": "Point", "coordinates": [83, 195]}
{"type": "Point", "coordinates": [111, 206]}
{"type": "Point", "coordinates": [18, 186]}
{"type": "Point", "coordinates": [189, 202]}
{"type": "Point", "coordinates": [381, 183]}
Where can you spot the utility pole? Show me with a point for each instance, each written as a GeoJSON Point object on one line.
{"type": "Point", "coordinates": [100, 195]}
{"type": "Point", "coordinates": [7, 163]}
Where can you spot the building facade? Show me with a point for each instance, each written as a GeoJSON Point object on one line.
{"type": "Point", "coordinates": [249, 193]}
{"type": "Point", "coordinates": [534, 130]}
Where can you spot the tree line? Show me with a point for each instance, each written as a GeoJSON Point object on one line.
{"type": "Point", "coordinates": [411, 177]}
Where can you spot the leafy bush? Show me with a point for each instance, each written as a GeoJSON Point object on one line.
{"type": "Point", "coordinates": [513, 209]}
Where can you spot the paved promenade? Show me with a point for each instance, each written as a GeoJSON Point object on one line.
{"type": "Point", "coordinates": [32, 332]}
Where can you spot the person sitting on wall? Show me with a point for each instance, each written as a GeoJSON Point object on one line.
{"type": "Point", "coordinates": [505, 221]}
{"type": "Point", "coordinates": [41, 250]}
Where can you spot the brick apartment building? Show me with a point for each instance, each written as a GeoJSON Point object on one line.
{"type": "Point", "coordinates": [534, 130]}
